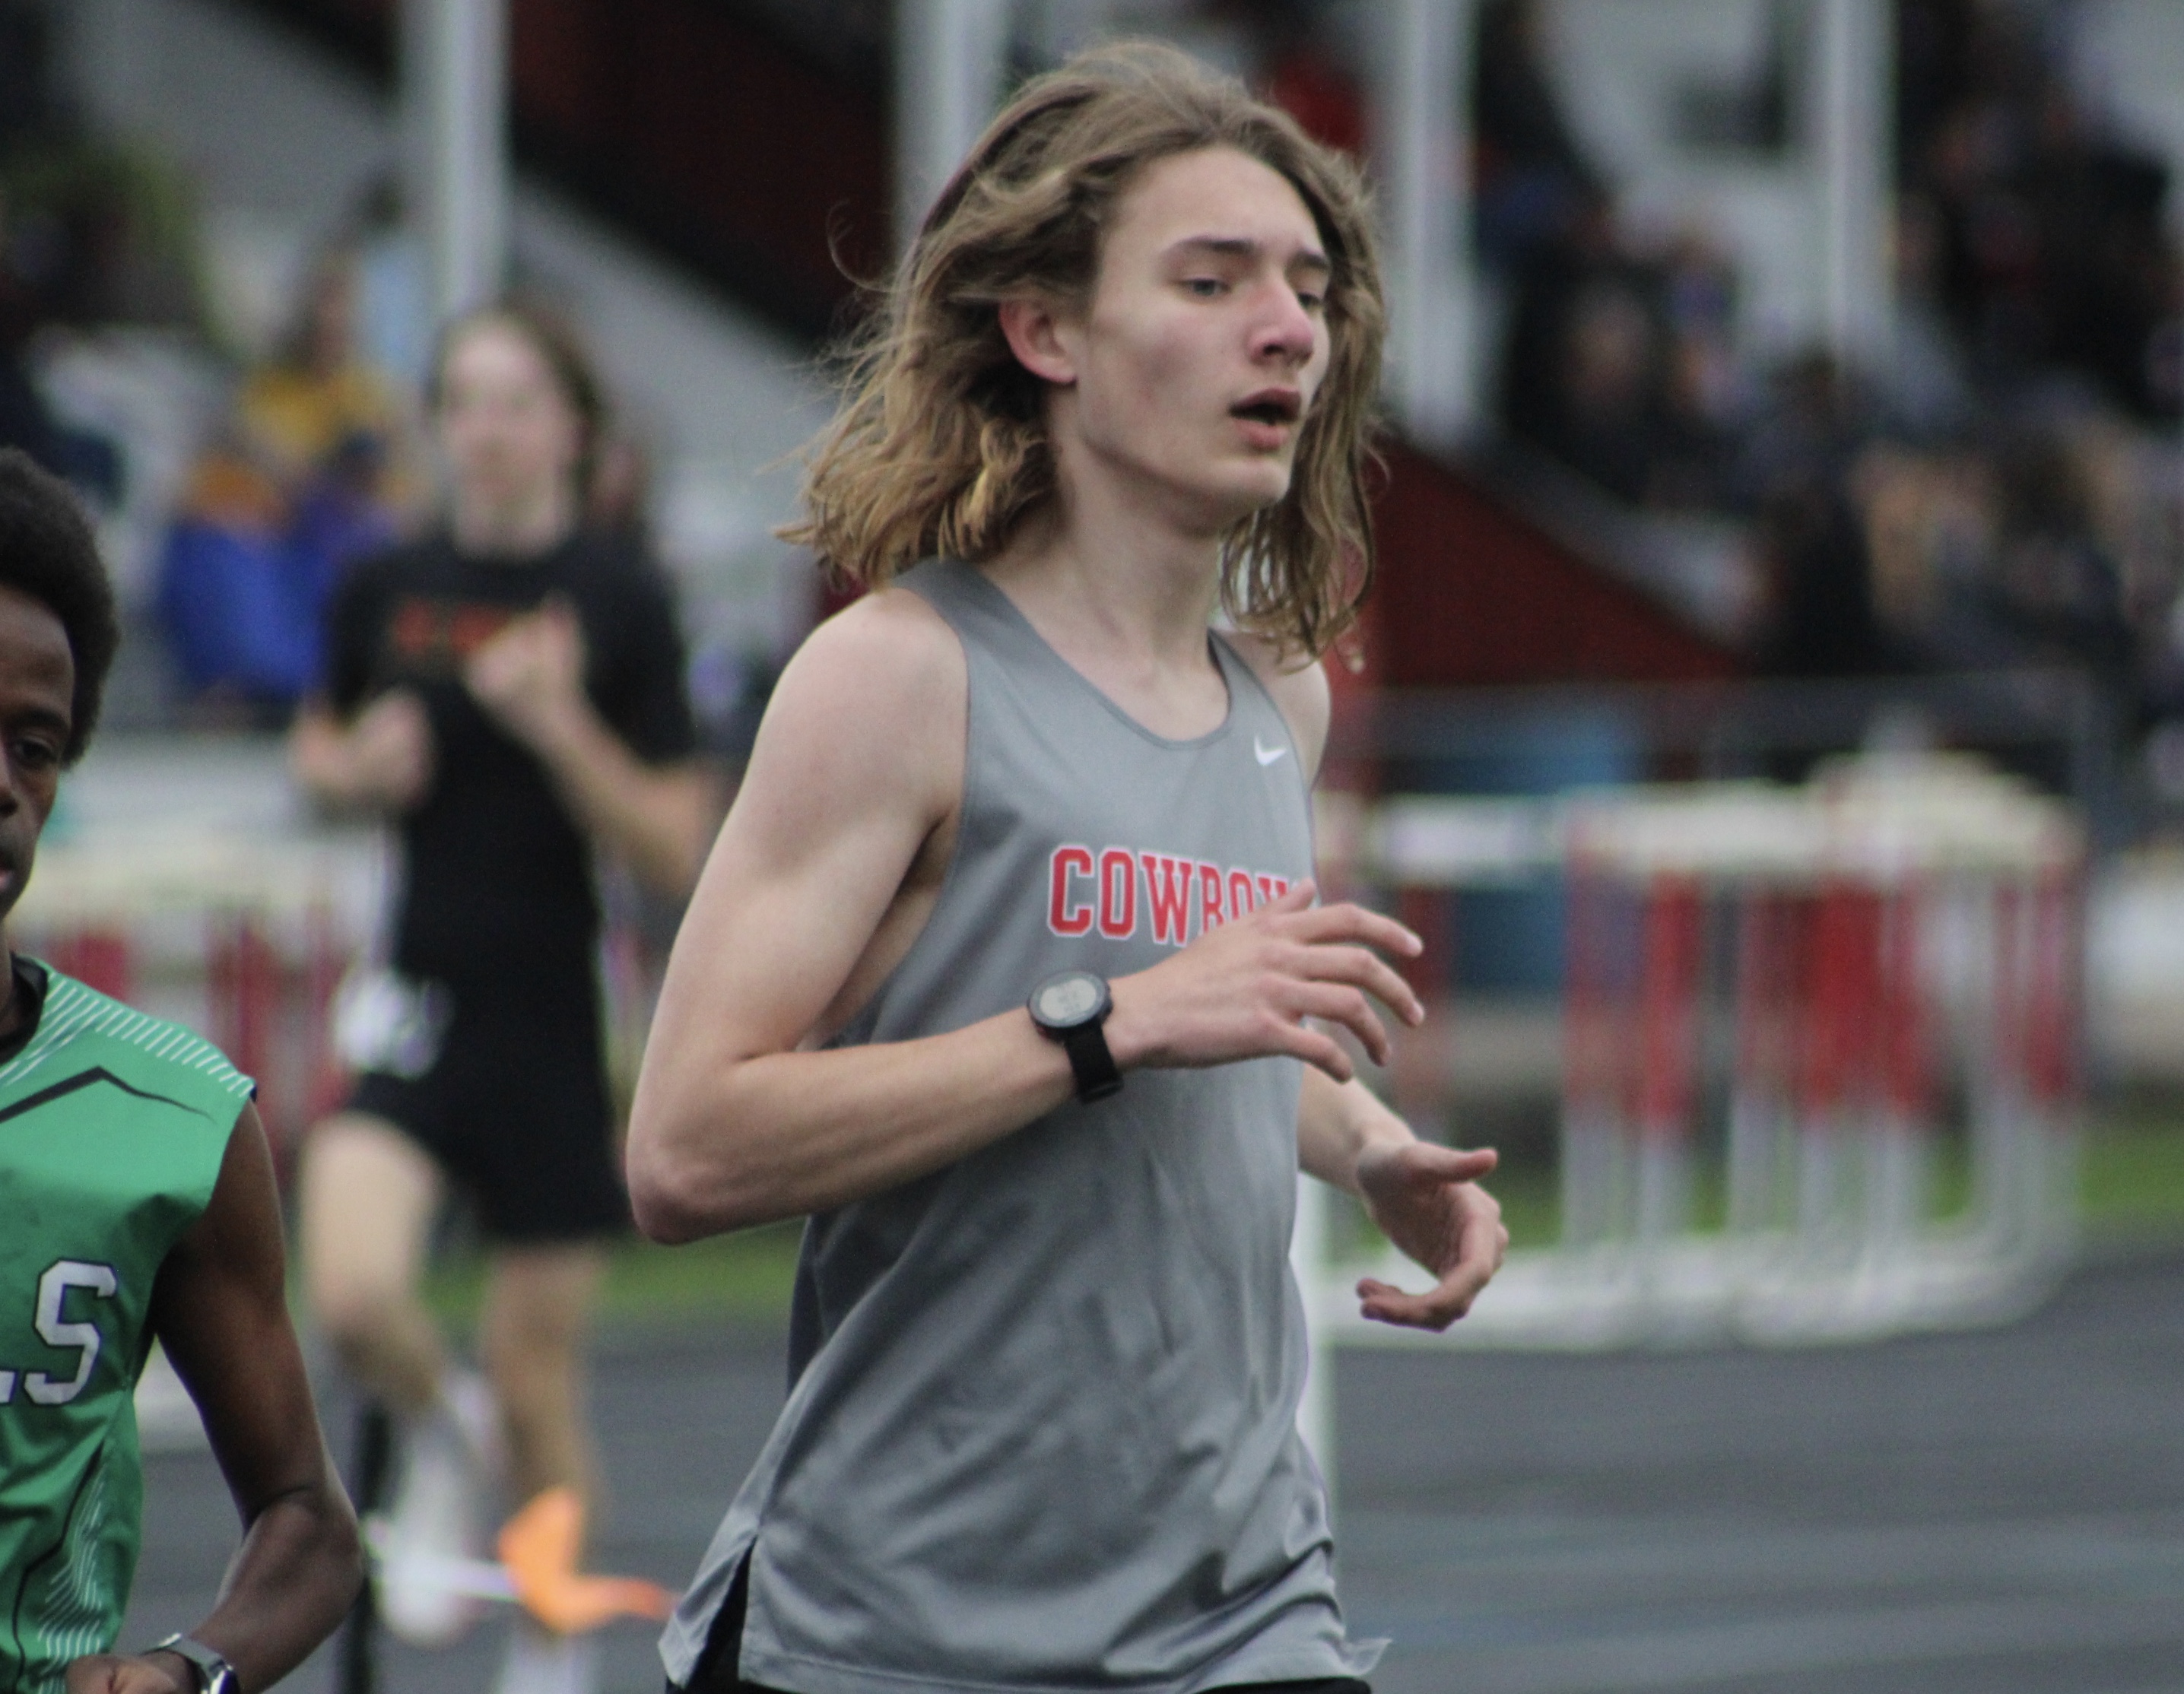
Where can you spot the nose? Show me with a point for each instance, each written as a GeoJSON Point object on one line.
{"type": "Point", "coordinates": [1286, 330]}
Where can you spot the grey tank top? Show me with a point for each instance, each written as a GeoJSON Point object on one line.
{"type": "Point", "coordinates": [1041, 1431]}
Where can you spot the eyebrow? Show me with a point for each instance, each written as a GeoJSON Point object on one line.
{"type": "Point", "coordinates": [1243, 247]}
{"type": "Point", "coordinates": [40, 717]}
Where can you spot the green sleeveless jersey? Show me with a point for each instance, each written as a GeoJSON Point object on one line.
{"type": "Point", "coordinates": [113, 1126]}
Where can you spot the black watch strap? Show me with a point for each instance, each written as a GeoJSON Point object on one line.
{"type": "Point", "coordinates": [1090, 1063]}
{"type": "Point", "coordinates": [214, 1675]}
{"type": "Point", "coordinates": [1069, 1007]}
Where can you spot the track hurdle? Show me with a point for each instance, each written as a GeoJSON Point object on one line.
{"type": "Point", "coordinates": [241, 939]}
{"type": "Point", "coordinates": [1777, 999]}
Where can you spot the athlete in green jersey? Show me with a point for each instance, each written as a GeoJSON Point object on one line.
{"type": "Point", "coordinates": [136, 1200]}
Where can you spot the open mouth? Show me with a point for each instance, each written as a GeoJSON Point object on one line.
{"type": "Point", "coordinates": [1274, 408]}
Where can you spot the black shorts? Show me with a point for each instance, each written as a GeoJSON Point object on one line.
{"type": "Point", "coordinates": [514, 1107]}
{"type": "Point", "coordinates": [1325, 1684]}
{"type": "Point", "coordinates": [718, 1671]}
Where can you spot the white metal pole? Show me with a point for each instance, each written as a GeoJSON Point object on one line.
{"type": "Point", "coordinates": [455, 98]}
{"type": "Point", "coordinates": [949, 59]}
{"type": "Point", "coordinates": [1854, 92]}
{"type": "Point", "coordinates": [1422, 124]}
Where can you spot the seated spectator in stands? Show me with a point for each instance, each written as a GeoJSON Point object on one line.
{"type": "Point", "coordinates": [1925, 388]}
{"type": "Point", "coordinates": [1604, 424]}
{"type": "Point", "coordinates": [1301, 70]}
{"type": "Point", "coordinates": [24, 420]}
{"type": "Point", "coordinates": [1814, 420]}
{"type": "Point", "coordinates": [1702, 396]}
{"type": "Point", "coordinates": [1819, 619]}
{"type": "Point", "coordinates": [312, 470]}
{"type": "Point", "coordinates": [2052, 247]}
{"type": "Point", "coordinates": [1617, 360]}
{"type": "Point", "coordinates": [1532, 184]}
{"type": "Point", "coordinates": [89, 461]}
{"type": "Point", "coordinates": [2055, 584]}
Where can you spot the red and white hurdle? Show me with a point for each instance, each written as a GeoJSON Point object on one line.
{"type": "Point", "coordinates": [1773, 997]}
{"type": "Point", "coordinates": [242, 938]}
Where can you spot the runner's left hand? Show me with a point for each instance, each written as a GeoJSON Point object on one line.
{"type": "Point", "coordinates": [1427, 1200]}
{"type": "Point", "coordinates": [530, 676]}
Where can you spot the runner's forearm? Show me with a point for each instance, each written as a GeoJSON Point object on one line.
{"type": "Point", "coordinates": [1336, 1123]}
{"type": "Point", "coordinates": [219, 1306]}
{"type": "Point", "coordinates": [657, 819]}
{"type": "Point", "coordinates": [722, 1147]}
{"type": "Point", "coordinates": [295, 1574]}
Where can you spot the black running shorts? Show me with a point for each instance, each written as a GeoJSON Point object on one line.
{"type": "Point", "coordinates": [513, 1105]}
{"type": "Point", "coordinates": [718, 1671]}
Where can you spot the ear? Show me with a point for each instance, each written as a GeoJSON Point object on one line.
{"type": "Point", "coordinates": [1035, 336]}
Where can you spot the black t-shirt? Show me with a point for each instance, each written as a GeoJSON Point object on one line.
{"type": "Point", "coordinates": [498, 879]}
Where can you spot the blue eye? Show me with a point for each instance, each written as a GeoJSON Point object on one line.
{"type": "Point", "coordinates": [1205, 288]}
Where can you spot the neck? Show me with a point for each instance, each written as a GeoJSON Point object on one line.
{"type": "Point", "coordinates": [529, 523]}
{"type": "Point", "coordinates": [1106, 569]}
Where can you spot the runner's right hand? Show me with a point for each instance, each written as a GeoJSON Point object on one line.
{"type": "Point", "coordinates": [391, 751]}
{"type": "Point", "coordinates": [1247, 989]}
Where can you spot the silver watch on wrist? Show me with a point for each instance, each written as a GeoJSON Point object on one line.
{"type": "Point", "coordinates": [214, 1674]}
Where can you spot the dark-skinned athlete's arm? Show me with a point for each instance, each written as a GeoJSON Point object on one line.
{"type": "Point", "coordinates": [858, 767]}
{"type": "Point", "coordinates": [220, 1308]}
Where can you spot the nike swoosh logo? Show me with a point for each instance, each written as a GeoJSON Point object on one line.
{"type": "Point", "coordinates": [1266, 754]}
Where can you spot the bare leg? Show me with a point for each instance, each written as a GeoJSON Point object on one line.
{"type": "Point", "coordinates": [538, 1312]}
{"type": "Point", "coordinates": [369, 1197]}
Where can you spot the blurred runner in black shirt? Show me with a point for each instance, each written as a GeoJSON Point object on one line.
{"type": "Point", "coordinates": [497, 866]}
{"type": "Point", "coordinates": [508, 690]}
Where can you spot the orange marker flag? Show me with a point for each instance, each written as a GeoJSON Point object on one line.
{"type": "Point", "coordinates": [538, 1547]}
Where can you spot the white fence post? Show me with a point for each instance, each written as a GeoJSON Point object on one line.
{"type": "Point", "coordinates": [454, 104]}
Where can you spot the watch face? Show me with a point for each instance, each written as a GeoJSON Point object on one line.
{"type": "Point", "coordinates": [1068, 1000]}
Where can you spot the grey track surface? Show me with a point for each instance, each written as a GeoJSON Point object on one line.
{"type": "Point", "coordinates": [1992, 1513]}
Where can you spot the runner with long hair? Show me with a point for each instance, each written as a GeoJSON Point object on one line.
{"type": "Point", "coordinates": [1007, 969]}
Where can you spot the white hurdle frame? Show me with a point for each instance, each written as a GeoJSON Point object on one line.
{"type": "Point", "coordinates": [241, 938]}
{"type": "Point", "coordinates": [1802, 971]}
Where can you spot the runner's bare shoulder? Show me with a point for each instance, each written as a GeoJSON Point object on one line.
{"type": "Point", "coordinates": [874, 701]}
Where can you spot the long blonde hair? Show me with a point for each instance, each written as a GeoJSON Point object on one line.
{"type": "Point", "coordinates": [940, 448]}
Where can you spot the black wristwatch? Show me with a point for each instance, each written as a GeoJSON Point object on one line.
{"type": "Point", "coordinates": [1070, 1008]}
{"type": "Point", "coordinates": [214, 1675]}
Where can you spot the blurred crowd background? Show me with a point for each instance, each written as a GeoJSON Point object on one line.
{"type": "Point", "coordinates": [2000, 489]}
{"type": "Point", "coordinates": [1659, 462]}
{"type": "Point", "coordinates": [229, 371]}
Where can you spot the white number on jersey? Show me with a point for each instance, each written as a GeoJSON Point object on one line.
{"type": "Point", "coordinates": [56, 1329]}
